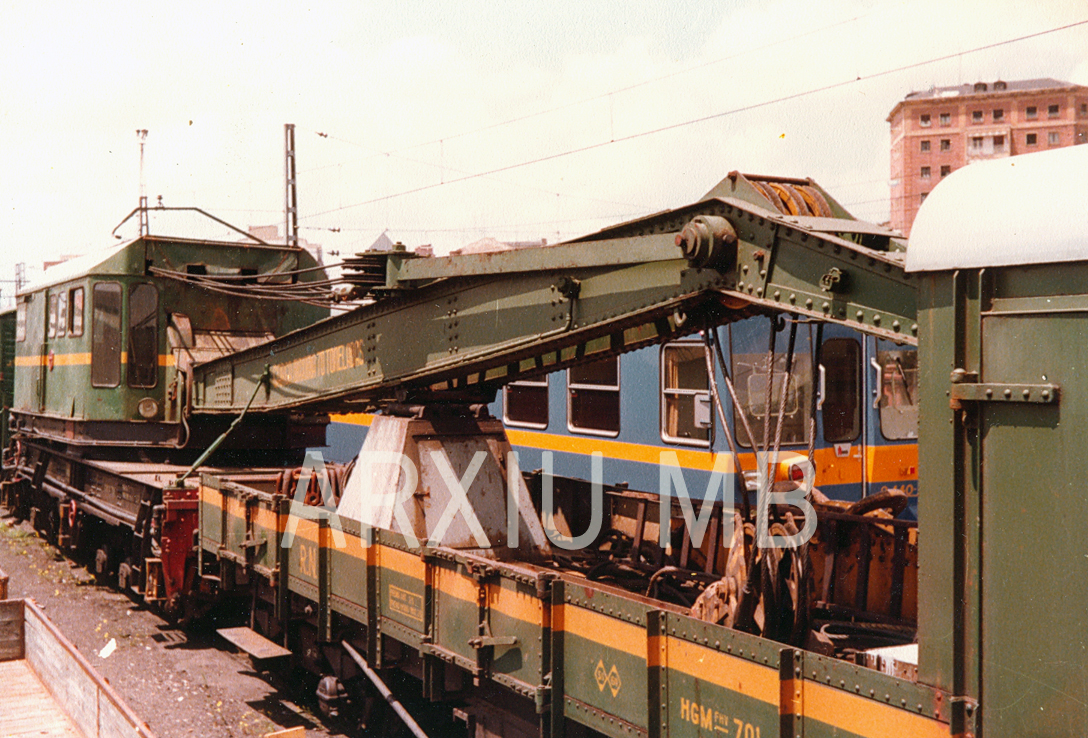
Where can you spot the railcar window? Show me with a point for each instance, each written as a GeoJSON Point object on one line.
{"type": "Point", "coordinates": [143, 336]}
{"type": "Point", "coordinates": [62, 314]}
{"type": "Point", "coordinates": [20, 322]}
{"type": "Point", "coordinates": [593, 397]}
{"type": "Point", "coordinates": [106, 335]}
{"type": "Point", "coordinates": [841, 362]}
{"type": "Point", "coordinates": [75, 312]}
{"type": "Point", "coordinates": [898, 393]}
{"type": "Point", "coordinates": [750, 376]}
{"type": "Point", "coordinates": [526, 403]}
{"type": "Point", "coordinates": [685, 395]}
{"type": "Point", "coordinates": [51, 328]}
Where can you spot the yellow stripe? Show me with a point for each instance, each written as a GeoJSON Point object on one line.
{"type": "Point", "coordinates": [451, 583]}
{"type": "Point", "coordinates": [353, 418]}
{"type": "Point", "coordinates": [402, 562]}
{"type": "Point", "coordinates": [730, 672]}
{"type": "Point", "coordinates": [517, 605]}
{"type": "Point", "coordinates": [600, 629]}
{"type": "Point", "coordinates": [863, 716]}
{"type": "Point", "coordinates": [79, 360]}
{"type": "Point", "coordinates": [887, 463]}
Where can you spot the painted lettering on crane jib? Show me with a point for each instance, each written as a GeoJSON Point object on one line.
{"type": "Point", "coordinates": [331, 360]}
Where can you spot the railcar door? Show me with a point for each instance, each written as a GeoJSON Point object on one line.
{"type": "Point", "coordinates": [841, 445]}
{"type": "Point", "coordinates": [892, 407]}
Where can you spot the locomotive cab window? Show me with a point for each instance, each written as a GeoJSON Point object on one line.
{"type": "Point", "coordinates": [525, 403]}
{"type": "Point", "coordinates": [685, 395]}
{"type": "Point", "coordinates": [840, 382]}
{"type": "Point", "coordinates": [51, 327]}
{"type": "Point", "coordinates": [898, 400]}
{"type": "Point", "coordinates": [143, 336]}
{"type": "Point", "coordinates": [750, 375]}
{"type": "Point", "coordinates": [593, 397]}
{"type": "Point", "coordinates": [62, 314]}
{"type": "Point", "coordinates": [106, 335]}
{"type": "Point", "coordinates": [75, 312]}
{"type": "Point", "coordinates": [20, 321]}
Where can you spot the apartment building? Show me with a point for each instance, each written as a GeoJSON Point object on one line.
{"type": "Point", "coordinates": [934, 133]}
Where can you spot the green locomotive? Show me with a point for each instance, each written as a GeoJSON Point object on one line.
{"type": "Point", "coordinates": [105, 344]}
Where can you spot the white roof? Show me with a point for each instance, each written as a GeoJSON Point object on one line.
{"type": "Point", "coordinates": [1030, 209]}
{"type": "Point", "coordinates": [75, 268]}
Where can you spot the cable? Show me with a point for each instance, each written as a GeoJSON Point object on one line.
{"type": "Point", "coordinates": [703, 119]}
{"type": "Point", "coordinates": [582, 101]}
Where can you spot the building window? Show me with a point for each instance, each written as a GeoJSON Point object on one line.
{"type": "Point", "coordinates": [1031, 139]}
{"type": "Point", "coordinates": [946, 144]}
{"type": "Point", "coordinates": [999, 143]}
{"type": "Point", "coordinates": [945, 170]}
{"type": "Point", "coordinates": [593, 397]}
{"type": "Point", "coordinates": [75, 312]}
{"type": "Point", "coordinates": [685, 395]}
{"type": "Point", "coordinates": [106, 335]}
{"type": "Point", "coordinates": [143, 336]}
{"type": "Point", "coordinates": [924, 145]}
{"type": "Point", "coordinates": [976, 116]}
{"type": "Point", "coordinates": [526, 403]}
{"type": "Point", "coordinates": [1053, 111]}
{"type": "Point", "coordinates": [1053, 138]}
{"type": "Point", "coordinates": [1032, 112]}
{"type": "Point", "coordinates": [999, 114]}
{"type": "Point", "coordinates": [1084, 108]}
{"type": "Point", "coordinates": [946, 119]}
{"type": "Point", "coordinates": [923, 120]}
{"type": "Point", "coordinates": [925, 172]}
{"type": "Point", "coordinates": [898, 393]}
{"type": "Point", "coordinates": [976, 143]}
{"type": "Point", "coordinates": [840, 366]}
{"type": "Point", "coordinates": [922, 197]}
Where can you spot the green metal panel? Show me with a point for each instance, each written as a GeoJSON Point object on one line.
{"type": "Point", "coordinates": [936, 472]}
{"type": "Point", "coordinates": [7, 372]}
{"type": "Point", "coordinates": [1034, 554]}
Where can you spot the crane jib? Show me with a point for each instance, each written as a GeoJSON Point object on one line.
{"type": "Point", "coordinates": [465, 325]}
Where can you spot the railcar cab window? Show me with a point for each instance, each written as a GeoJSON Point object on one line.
{"type": "Point", "coordinates": [593, 398]}
{"type": "Point", "coordinates": [143, 335]}
{"type": "Point", "coordinates": [898, 393]}
{"type": "Point", "coordinates": [685, 395]}
{"type": "Point", "coordinates": [525, 403]}
{"type": "Point", "coordinates": [51, 324]}
{"type": "Point", "coordinates": [840, 384]}
{"type": "Point", "coordinates": [75, 312]}
{"type": "Point", "coordinates": [62, 313]}
{"type": "Point", "coordinates": [749, 360]}
{"type": "Point", "coordinates": [20, 321]}
{"type": "Point", "coordinates": [106, 335]}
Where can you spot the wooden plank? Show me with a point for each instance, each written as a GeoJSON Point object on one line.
{"type": "Point", "coordinates": [74, 684]}
{"type": "Point", "coordinates": [11, 630]}
{"type": "Point", "coordinates": [26, 707]}
{"type": "Point", "coordinates": [288, 733]}
{"type": "Point", "coordinates": [253, 643]}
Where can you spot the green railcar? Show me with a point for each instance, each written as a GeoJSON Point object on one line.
{"type": "Point", "coordinates": [7, 372]}
{"type": "Point", "coordinates": [104, 344]}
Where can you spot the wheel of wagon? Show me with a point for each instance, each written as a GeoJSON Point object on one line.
{"type": "Point", "coordinates": [720, 602]}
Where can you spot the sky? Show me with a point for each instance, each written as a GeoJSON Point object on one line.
{"type": "Point", "coordinates": [445, 124]}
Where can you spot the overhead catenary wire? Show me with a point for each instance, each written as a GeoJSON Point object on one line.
{"type": "Point", "coordinates": [706, 118]}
